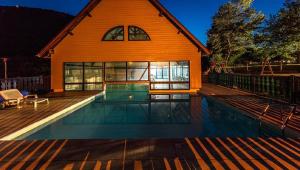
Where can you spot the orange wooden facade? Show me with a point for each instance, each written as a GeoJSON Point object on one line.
{"type": "Point", "coordinates": [84, 43]}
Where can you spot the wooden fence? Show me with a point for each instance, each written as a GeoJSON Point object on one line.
{"type": "Point", "coordinates": [280, 87]}
{"type": "Point", "coordinates": [31, 84]}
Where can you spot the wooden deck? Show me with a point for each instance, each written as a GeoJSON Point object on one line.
{"type": "Point", "coordinates": [254, 105]}
{"type": "Point", "coordinates": [13, 119]}
{"type": "Point", "coordinates": [177, 154]}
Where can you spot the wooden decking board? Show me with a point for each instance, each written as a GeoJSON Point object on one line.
{"type": "Point", "coordinates": [228, 153]}
{"type": "Point", "coordinates": [253, 105]}
{"type": "Point", "coordinates": [13, 119]}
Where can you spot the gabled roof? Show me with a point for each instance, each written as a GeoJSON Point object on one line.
{"type": "Point", "coordinates": [93, 3]}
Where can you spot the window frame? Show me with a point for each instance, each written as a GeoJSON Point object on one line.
{"type": "Point", "coordinates": [132, 68]}
{"type": "Point", "coordinates": [111, 29]}
{"type": "Point", "coordinates": [106, 68]}
{"type": "Point", "coordinates": [83, 83]}
{"type": "Point", "coordinates": [128, 36]}
{"type": "Point", "coordinates": [170, 82]}
{"type": "Point", "coordinates": [149, 81]}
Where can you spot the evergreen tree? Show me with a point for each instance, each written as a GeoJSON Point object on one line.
{"type": "Point", "coordinates": [232, 31]}
{"type": "Point", "coordinates": [282, 33]}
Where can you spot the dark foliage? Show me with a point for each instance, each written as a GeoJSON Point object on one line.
{"type": "Point", "coordinates": [25, 31]}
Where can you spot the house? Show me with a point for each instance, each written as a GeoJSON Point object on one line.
{"type": "Point", "coordinates": [125, 42]}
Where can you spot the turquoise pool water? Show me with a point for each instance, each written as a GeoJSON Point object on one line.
{"type": "Point", "coordinates": [133, 114]}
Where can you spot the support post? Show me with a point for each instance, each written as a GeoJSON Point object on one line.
{"type": "Point", "coordinates": [292, 95]}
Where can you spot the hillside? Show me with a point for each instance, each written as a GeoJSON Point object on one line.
{"type": "Point", "coordinates": [23, 32]}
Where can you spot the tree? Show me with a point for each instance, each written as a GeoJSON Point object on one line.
{"type": "Point", "coordinates": [280, 38]}
{"type": "Point", "coordinates": [283, 30]}
{"type": "Point", "coordinates": [232, 31]}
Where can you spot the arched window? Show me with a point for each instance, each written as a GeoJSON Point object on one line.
{"type": "Point", "coordinates": [114, 34]}
{"type": "Point", "coordinates": [137, 34]}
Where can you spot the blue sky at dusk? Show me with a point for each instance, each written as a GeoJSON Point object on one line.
{"type": "Point", "coordinates": [194, 14]}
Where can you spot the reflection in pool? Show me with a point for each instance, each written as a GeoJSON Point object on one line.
{"type": "Point", "coordinates": [132, 115]}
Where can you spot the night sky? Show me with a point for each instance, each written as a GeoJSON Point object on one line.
{"type": "Point", "coordinates": [194, 14]}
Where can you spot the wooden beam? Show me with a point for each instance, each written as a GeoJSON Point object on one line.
{"type": "Point", "coordinates": [160, 14]}
{"type": "Point", "coordinates": [71, 33]}
{"type": "Point", "coordinates": [51, 51]}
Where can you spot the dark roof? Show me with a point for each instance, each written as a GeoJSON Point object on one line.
{"type": "Point", "coordinates": [93, 3]}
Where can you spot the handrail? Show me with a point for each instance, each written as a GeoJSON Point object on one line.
{"type": "Point", "coordinates": [285, 122]}
{"type": "Point", "coordinates": [264, 112]}
{"type": "Point", "coordinates": [283, 88]}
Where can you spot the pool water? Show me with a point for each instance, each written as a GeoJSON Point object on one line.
{"type": "Point", "coordinates": [133, 114]}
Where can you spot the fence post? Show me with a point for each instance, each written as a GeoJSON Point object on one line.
{"type": "Point", "coordinates": [277, 87]}
{"type": "Point", "coordinates": [292, 95]}
{"type": "Point", "coordinates": [258, 84]}
{"type": "Point", "coordinates": [249, 82]}
{"type": "Point", "coordinates": [272, 87]}
{"type": "Point", "coordinates": [267, 85]}
{"type": "Point", "coordinates": [253, 82]}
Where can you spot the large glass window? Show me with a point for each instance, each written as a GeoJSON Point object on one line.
{"type": "Point", "coordinates": [137, 71]}
{"type": "Point", "coordinates": [73, 73]}
{"type": "Point", "coordinates": [93, 72]}
{"type": "Point", "coordinates": [93, 76]}
{"type": "Point", "coordinates": [180, 71]}
{"type": "Point", "coordinates": [83, 76]}
{"type": "Point", "coordinates": [163, 75]}
{"type": "Point", "coordinates": [115, 34]}
{"type": "Point", "coordinates": [170, 75]}
{"type": "Point", "coordinates": [73, 76]}
{"type": "Point", "coordinates": [159, 71]}
{"type": "Point", "coordinates": [115, 71]}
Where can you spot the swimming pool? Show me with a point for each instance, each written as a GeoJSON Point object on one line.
{"type": "Point", "coordinates": [136, 115]}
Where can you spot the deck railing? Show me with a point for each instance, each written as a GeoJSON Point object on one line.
{"type": "Point", "coordinates": [280, 87]}
{"type": "Point", "coordinates": [32, 84]}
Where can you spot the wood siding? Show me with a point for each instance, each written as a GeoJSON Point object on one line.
{"type": "Point", "coordinates": [85, 45]}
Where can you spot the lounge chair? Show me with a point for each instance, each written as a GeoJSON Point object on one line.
{"type": "Point", "coordinates": [13, 97]}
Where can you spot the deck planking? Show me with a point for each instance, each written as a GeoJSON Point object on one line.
{"type": "Point", "coordinates": [13, 119]}
{"type": "Point", "coordinates": [188, 153]}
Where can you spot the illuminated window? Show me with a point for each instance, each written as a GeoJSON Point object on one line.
{"type": "Point", "coordinates": [83, 76]}
{"type": "Point", "coordinates": [137, 71]}
{"type": "Point", "coordinates": [115, 34]}
{"type": "Point", "coordinates": [115, 71]}
{"type": "Point", "coordinates": [137, 34]}
{"type": "Point", "coordinates": [170, 75]}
